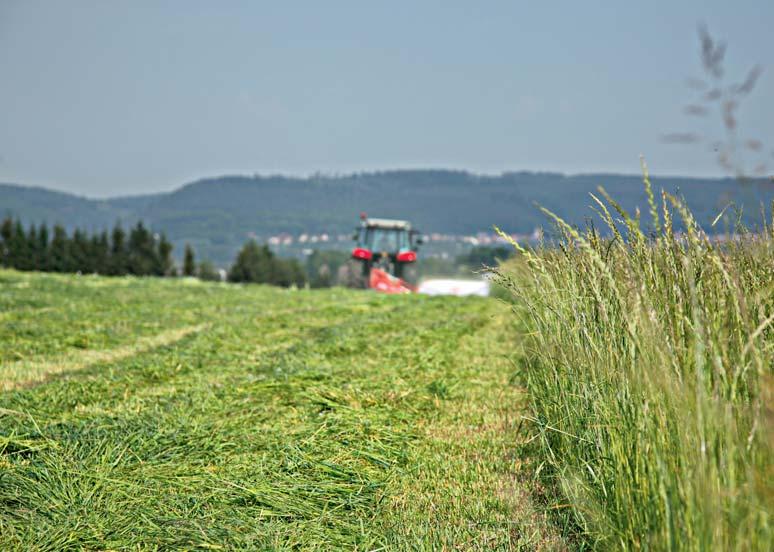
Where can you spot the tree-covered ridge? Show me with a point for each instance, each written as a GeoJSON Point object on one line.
{"type": "Point", "coordinates": [217, 215]}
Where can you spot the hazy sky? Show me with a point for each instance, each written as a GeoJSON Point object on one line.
{"type": "Point", "coordinates": [106, 98]}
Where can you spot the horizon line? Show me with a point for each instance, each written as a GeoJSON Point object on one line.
{"type": "Point", "coordinates": [348, 174]}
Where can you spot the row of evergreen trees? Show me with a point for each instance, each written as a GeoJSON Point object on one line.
{"type": "Point", "coordinates": [140, 253]}
{"type": "Point", "coordinates": [115, 253]}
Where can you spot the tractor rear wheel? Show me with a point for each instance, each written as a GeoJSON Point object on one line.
{"type": "Point", "coordinates": [355, 274]}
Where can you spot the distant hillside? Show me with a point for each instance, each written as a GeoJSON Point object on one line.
{"type": "Point", "coordinates": [216, 215]}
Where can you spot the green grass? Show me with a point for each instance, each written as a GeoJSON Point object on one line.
{"type": "Point", "coordinates": [157, 414]}
{"type": "Point", "coordinates": [649, 366]}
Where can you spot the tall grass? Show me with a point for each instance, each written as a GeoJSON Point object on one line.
{"type": "Point", "coordinates": [650, 377]}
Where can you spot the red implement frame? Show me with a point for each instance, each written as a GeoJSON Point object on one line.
{"type": "Point", "coordinates": [386, 283]}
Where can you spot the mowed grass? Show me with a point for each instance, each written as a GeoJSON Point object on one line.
{"type": "Point", "coordinates": [158, 414]}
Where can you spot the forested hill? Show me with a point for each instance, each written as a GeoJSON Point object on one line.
{"type": "Point", "coordinates": [218, 214]}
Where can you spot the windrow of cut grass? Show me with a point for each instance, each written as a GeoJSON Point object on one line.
{"type": "Point", "coordinates": [649, 371]}
{"type": "Point", "coordinates": [326, 420]}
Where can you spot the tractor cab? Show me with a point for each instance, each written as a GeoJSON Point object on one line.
{"type": "Point", "coordinates": [387, 244]}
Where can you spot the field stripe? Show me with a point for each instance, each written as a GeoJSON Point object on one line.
{"type": "Point", "coordinates": [22, 373]}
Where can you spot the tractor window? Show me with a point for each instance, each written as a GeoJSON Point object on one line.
{"type": "Point", "coordinates": [386, 239]}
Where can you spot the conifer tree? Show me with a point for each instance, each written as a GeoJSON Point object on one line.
{"type": "Point", "coordinates": [101, 252]}
{"type": "Point", "coordinates": [164, 255]}
{"type": "Point", "coordinates": [20, 254]}
{"type": "Point", "coordinates": [79, 253]}
{"type": "Point", "coordinates": [43, 245]}
{"type": "Point", "coordinates": [119, 261]}
{"type": "Point", "coordinates": [59, 250]}
{"type": "Point", "coordinates": [6, 232]}
{"type": "Point", "coordinates": [142, 254]}
{"type": "Point", "coordinates": [189, 262]}
{"type": "Point", "coordinates": [33, 261]}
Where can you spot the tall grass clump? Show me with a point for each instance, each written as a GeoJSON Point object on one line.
{"type": "Point", "coordinates": [649, 369]}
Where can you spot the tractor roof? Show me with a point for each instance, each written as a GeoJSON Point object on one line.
{"type": "Point", "coordinates": [388, 223]}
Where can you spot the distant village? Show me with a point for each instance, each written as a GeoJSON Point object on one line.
{"type": "Point", "coordinates": [434, 242]}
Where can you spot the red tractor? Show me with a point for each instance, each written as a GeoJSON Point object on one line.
{"type": "Point", "coordinates": [385, 256]}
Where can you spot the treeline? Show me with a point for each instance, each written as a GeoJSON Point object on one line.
{"type": "Point", "coordinates": [258, 264]}
{"type": "Point", "coordinates": [116, 253]}
{"type": "Point", "coordinates": [138, 252]}
{"type": "Point", "coordinates": [254, 263]}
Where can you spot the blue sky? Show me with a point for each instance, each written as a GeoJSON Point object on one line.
{"type": "Point", "coordinates": [108, 98]}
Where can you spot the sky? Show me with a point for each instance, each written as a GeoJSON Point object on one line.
{"type": "Point", "coordinates": [116, 98]}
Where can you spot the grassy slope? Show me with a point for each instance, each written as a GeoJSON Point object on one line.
{"type": "Point", "coordinates": [260, 418]}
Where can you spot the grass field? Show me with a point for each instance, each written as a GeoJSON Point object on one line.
{"type": "Point", "coordinates": [146, 413]}
{"type": "Point", "coordinates": [174, 414]}
{"type": "Point", "coordinates": [649, 364]}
